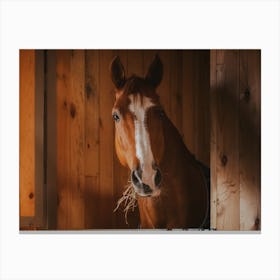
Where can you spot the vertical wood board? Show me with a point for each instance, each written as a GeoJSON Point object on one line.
{"type": "Point", "coordinates": [92, 139]}
{"type": "Point", "coordinates": [227, 168]}
{"type": "Point", "coordinates": [249, 140]}
{"type": "Point", "coordinates": [63, 103]}
{"type": "Point", "coordinates": [77, 142]}
{"type": "Point", "coordinates": [235, 140]}
{"type": "Point", "coordinates": [27, 133]}
{"type": "Point", "coordinates": [106, 140]}
{"type": "Point", "coordinates": [213, 138]}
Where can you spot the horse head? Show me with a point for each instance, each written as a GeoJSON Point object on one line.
{"type": "Point", "coordinates": [139, 117]}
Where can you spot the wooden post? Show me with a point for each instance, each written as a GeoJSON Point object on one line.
{"type": "Point", "coordinates": [249, 157]}
{"type": "Point", "coordinates": [235, 140]}
{"type": "Point", "coordinates": [27, 133]}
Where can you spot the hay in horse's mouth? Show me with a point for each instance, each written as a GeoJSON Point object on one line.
{"type": "Point", "coordinates": [129, 200]}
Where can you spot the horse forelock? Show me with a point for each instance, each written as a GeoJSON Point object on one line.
{"type": "Point", "coordinates": [137, 87]}
{"type": "Point", "coordinates": [134, 85]}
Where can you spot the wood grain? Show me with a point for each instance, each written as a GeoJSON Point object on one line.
{"type": "Point", "coordinates": [77, 141]}
{"type": "Point", "coordinates": [135, 63]}
{"type": "Point", "coordinates": [213, 138]}
{"type": "Point", "coordinates": [235, 140]}
{"type": "Point", "coordinates": [249, 157]}
{"type": "Point", "coordinates": [92, 139]}
{"type": "Point", "coordinates": [89, 173]}
{"type": "Point", "coordinates": [228, 209]}
{"type": "Point", "coordinates": [51, 140]}
{"type": "Point", "coordinates": [106, 141]}
{"type": "Point", "coordinates": [90, 178]}
{"type": "Point", "coordinates": [63, 88]}
{"type": "Point", "coordinates": [27, 132]}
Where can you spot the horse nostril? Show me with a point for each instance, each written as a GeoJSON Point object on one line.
{"type": "Point", "coordinates": [146, 188]}
{"type": "Point", "coordinates": [135, 177]}
{"type": "Point", "coordinates": [157, 178]}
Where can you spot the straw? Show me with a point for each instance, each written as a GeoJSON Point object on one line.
{"type": "Point", "coordinates": [128, 199]}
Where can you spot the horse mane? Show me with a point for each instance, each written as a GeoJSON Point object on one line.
{"type": "Point", "coordinates": [134, 84]}
{"type": "Point", "coordinates": [170, 128]}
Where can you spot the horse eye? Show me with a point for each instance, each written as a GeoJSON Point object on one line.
{"type": "Point", "coordinates": [116, 117]}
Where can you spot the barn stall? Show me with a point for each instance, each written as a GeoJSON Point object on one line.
{"type": "Point", "coordinates": [70, 177]}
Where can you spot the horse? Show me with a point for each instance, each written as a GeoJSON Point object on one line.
{"type": "Point", "coordinates": [171, 186]}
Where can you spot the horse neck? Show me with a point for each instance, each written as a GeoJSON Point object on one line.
{"type": "Point", "coordinates": [176, 157]}
{"type": "Point", "coordinates": [176, 153]}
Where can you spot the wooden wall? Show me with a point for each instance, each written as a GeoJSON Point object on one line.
{"type": "Point", "coordinates": [90, 178]}
{"type": "Point", "coordinates": [235, 139]}
{"type": "Point", "coordinates": [84, 176]}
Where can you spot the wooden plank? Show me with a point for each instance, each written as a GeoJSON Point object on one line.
{"type": "Point", "coordinates": [228, 143]}
{"type": "Point", "coordinates": [40, 147]}
{"type": "Point", "coordinates": [92, 141]}
{"type": "Point", "coordinates": [202, 89]}
{"type": "Point", "coordinates": [188, 113]}
{"type": "Point", "coordinates": [91, 202]}
{"type": "Point", "coordinates": [27, 132]}
{"type": "Point", "coordinates": [249, 138]}
{"type": "Point", "coordinates": [135, 62]}
{"type": "Point", "coordinates": [106, 140]}
{"type": "Point", "coordinates": [175, 90]}
{"type": "Point", "coordinates": [254, 78]}
{"type": "Point", "coordinates": [92, 113]}
{"type": "Point", "coordinates": [51, 140]}
{"type": "Point", "coordinates": [220, 57]}
{"type": "Point", "coordinates": [63, 102]}
{"type": "Point", "coordinates": [77, 140]}
{"type": "Point", "coordinates": [213, 138]}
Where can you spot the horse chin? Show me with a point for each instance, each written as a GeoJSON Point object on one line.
{"type": "Point", "coordinates": [156, 193]}
{"type": "Point", "coordinates": [153, 194]}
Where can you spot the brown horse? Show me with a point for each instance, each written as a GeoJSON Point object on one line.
{"type": "Point", "coordinates": [171, 187]}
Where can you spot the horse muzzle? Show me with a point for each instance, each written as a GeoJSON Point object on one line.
{"type": "Point", "coordinates": [144, 189]}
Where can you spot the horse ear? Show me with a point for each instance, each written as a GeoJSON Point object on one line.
{"type": "Point", "coordinates": [117, 72]}
{"type": "Point", "coordinates": [155, 72]}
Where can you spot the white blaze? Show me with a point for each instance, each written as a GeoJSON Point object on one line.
{"type": "Point", "coordinates": [142, 138]}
